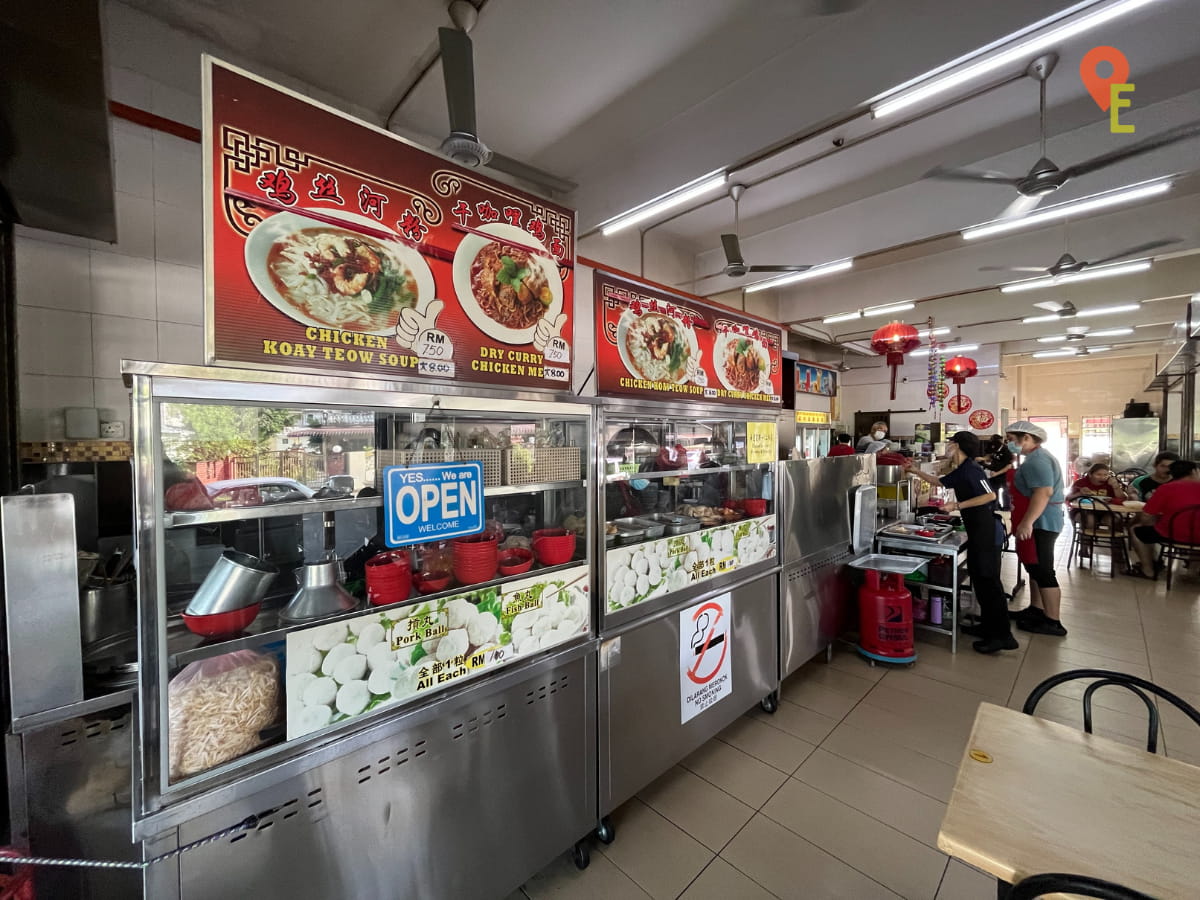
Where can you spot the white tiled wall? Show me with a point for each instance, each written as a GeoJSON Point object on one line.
{"type": "Point", "coordinates": [85, 305]}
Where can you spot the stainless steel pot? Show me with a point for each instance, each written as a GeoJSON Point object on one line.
{"type": "Point", "coordinates": [106, 609]}
{"type": "Point", "coordinates": [320, 593]}
{"type": "Point", "coordinates": [889, 474]}
{"type": "Point", "coordinates": [236, 581]}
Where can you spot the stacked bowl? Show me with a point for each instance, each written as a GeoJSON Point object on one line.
{"type": "Point", "coordinates": [475, 557]}
{"type": "Point", "coordinates": [389, 577]}
{"type": "Point", "coordinates": [553, 546]}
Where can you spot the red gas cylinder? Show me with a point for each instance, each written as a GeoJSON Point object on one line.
{"type": "Point", "coordinates": [885, 620]}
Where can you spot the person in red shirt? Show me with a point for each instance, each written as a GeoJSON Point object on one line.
{"type": "Point", "coordinates": [843, 447]}
{"type": "Point", "coordinates": [1182, 491]}
{"type": "Point", "coordinates": [1098, 482]}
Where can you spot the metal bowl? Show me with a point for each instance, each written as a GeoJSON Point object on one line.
{"type": "Point", "coordinates": [236, 581]}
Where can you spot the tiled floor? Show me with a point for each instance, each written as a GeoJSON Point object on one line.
{"type": "Point", "coordinates": [842, 791]}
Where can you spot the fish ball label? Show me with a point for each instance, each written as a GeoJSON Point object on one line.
{"type": "Point", "coordinates": [434, 501]}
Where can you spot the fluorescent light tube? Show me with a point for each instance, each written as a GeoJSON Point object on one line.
{"type": "Point", "coordinates": [1029, 320]}
{"type": "Point", "coordinates": [928, 334]}
{"type": "Point", "coordinates": [1107, 310]}
{"type": "Point", "coordinates": [1098, 349]}
{"type": "Point", "coordinates": [1086, 275]}
{"type": "Point", "coordinates": [1020, 49]}
{"type": "Point", "coordinates": [828, 268]}
{"type": "Point", "coordinates": [1111, 332]}
{"type": "Point", "coordinates": [663, 202]}
{"type": "Point", "coordinates": [1070, 209]}
{"type": "Point", "coordinates": [889, 309]}
{"type": "Point", "coordinates": [841, 317]}
{"type": "Point", "coordinates": [1045, 354]}
{"type": "Point", "coordinates": [1052, 339]}
{"type": "Point", "coordinates": [949, 348]}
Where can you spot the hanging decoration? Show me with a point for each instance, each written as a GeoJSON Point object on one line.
{"type": "Point", "coordinates": [934, 366]}
{"type": "Point", "coordinates": [893, 340]}
{"type": "Point", "coordinates": [958, 369]}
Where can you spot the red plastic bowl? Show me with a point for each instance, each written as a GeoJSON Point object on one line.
{"type": "Point", "coordinates": [431, 584]}
{"type": "Point", "coordinates": [755, 507]}
{"type": "Point", "coordinates": [231, 622]}
{"type": "Point", "coordinates": [553, 546]}
{"type": "Point", "coordinates": [515, 561]}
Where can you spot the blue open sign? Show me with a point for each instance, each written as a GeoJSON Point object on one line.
{"type": "Point", "coordinates": [432, 501]}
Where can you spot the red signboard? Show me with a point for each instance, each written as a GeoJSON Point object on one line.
{"type": "Point", "coordinates": [654, 344]}
{"type": "Point", "coordinates": [335, 245]}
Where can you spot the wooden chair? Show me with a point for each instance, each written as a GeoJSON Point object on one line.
{"type": "Point", "coordinates": [1097, 525]}
{"type": "Point", "coordinates": [1103, 678]}
{"type": "Point", "coordinates": [1077, 885]}
{"type": "Point", "coordinates": [1184, 521]}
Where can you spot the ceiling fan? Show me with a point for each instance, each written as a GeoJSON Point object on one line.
{"type": "Point", "coordinates": [1069, 265]}
{"type": "Point", "coordinates": [1045, 177]}
{"type": "Point", "coordinates": [735, 263]}
{"type": "Point", "coordinates": [458, 71]}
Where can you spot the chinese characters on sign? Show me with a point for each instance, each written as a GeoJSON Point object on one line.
{"type": "Point", "coordinates": [650, 343]}
{"type": "Point", "coordinates": [336, 246]}
{"type": "Point", "coordinates": [705, 655]}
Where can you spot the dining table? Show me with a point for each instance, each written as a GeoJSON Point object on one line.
{"type": "Point", "coordinates": [1034, 796]}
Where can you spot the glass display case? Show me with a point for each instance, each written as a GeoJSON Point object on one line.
{"type": "Point", "coordinates": [685, 501]}
{"type": "Point", "coordinates": [278, 608]}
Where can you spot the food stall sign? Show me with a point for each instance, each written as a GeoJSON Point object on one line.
{"type": "Point", "coordinates": [762, 442]}
{"type": "Point", "coordinates": [811, 379]}
{"type": "Point", "coordinates": [432, 501]}
{"type": "Point", "coordinates": [339, 671]}
{"type": "Point", "coordinates": [807, 417]}
{"type": "Point", "coordinates": [705, 655]}
{"type": "Point", "coordinates": [654, 344]}
{"type": "Point", "coordinates": [331, 244]}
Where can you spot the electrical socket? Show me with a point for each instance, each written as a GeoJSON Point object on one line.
{"type": "Point", "coordinates": [112, 430]}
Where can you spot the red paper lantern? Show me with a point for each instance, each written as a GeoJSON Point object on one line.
{"type": "Point", "coordinates": [959, 369]}
{"type": "Point", "coordinates": [893, 340]}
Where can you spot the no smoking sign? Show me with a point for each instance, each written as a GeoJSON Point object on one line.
{"type": "Point", "coordinates": [705, 653]}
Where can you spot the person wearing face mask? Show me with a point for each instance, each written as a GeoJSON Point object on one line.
{"type": "Point", "coordinates": [976, 503]}
{"type": "Point", "coordinates": [877, 433]}
{"type": "Point", "coordinates": [1037, 517]}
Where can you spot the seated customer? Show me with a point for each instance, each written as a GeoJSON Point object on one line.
{"type": "Point", "coordinates": [843, 447]}
{"type": "Point", "coordinates": [1181, 492]}
{"type": "Point", "coordinates": [877, 433]}
{"type": "Point", "coordinates": [1098, 482]}
{"type": "Point", "coordinates": [1145, 485]}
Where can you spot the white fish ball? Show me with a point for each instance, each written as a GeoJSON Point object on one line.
{"type": "Point", "coordinates": [352, 668]}
{"type": "Point", "coordinates": [381, 681]}
{"type": "Point", "coordinates": [320, 693]}
{"type": "Point", "coordinates": [453, 644]}
{"type": "Point", "coordinates": [312, 718]}
{"type": "Point", "coordinates": [353, 698]}
{"type": "Point", "coordinates": [298, 682]}
{"type": "Point", "coordinates": [329, 636]}
{"type": "Point", "coordinates": [357, 625]}
{"type": "Point", "coordinates": [334, 656]}
{"type": "Point", "coordinates": [643, 585]}
{"type": "Point", "coordinates": [303, 660]}
{"type": "Point", "coordinates": [640, 564]}
{"type": "Point", "coordinates": [371, 634]}
{"type": "Point", "coordinates": [459, 613]}
{"type": "Point", "coordinates": [483, 629]}
{"type": "Point", "coordinates": [381, 656]}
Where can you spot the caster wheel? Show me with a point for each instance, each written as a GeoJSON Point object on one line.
{"type": "Point", "coordinates": [605, 832]}
{"type": "Point", "coordinates": [581, 855]}
{"type": "Point", "coordinates": [770, 703]}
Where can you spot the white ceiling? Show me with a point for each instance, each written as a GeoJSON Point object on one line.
{"type": "Point", "coordinates": [632, 98]}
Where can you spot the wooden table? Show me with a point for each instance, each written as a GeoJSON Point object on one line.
{"type": "Point", "coordinates": [1054, 799]}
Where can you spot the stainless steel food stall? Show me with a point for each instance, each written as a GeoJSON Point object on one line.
{"type": "Point", "coordinates": [827, 516]}
{"type": "Point", "coordinates": [288, 773]}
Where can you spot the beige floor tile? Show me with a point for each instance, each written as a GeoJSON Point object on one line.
{"type": "Point", "coordinates": [891, 802]}
{"type": "Point", "coordinates": [736, 773]}
{"type": "Point", "coordinates": [721, 881]}
{"type": "Point", "coordinates": [944, 743]}
{"type": "Point", "coordinates": [992, 676]}
{"type": "Point", "coordinates": [961, 882]}
{"type": "Point", "coordinates": [601, 880]}
{"type": "Point", "coordinates": [806, 692]}
{"type": "Point", "coordinates": [955, 712]}
{"type": "Point", "coordinates": [702, 810]}
{"type": "Point", "coordinates": [885, 754]}
{"type": "Point", "coordinates": [1061, 654]}
{"type": "Point", "coordinates": [764, 742]}
{"type": "Point", "coordinates": [852, 663]}
{"type": "Point", "coordinates": [912, 681]}
{"type": "Point", "coordinates": [798, 721]}
{"type": "Point", "coordinates": [656, 854]}
{"type": "Point", "coordinates": [790, 867]}
{"type": "Point", "coordinates": [897, 861]}
{"type": "Point", "coordinates": [848, 681]}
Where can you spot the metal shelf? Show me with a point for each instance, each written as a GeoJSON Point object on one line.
{"type": "Point", "coordinates": [682, 473]}
{"type": "Point", "coordinates": [184, 647]}
{"type": "Point", "coordinates": [309, 507]}
{"type": "Point", "coordinates": [935, 628]}
{"type": "Point", "coordinates": [936, 587]}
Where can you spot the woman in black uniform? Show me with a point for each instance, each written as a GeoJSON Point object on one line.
{"type": "Point", "coordinates": [985, 534]}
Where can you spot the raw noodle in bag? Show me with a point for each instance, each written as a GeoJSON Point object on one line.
{"type": "Point", "coordinates": [217, 707]}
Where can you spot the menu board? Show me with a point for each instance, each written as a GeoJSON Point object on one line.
{"type": "Point", "coordinates": [334, 245]}
{"type": "Point", "coordinates": [654, 344]}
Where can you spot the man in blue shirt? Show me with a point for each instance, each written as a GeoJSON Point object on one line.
{"type": "Point", "coordinates": [976, 503]}
{"type": "Point", "coordinates": [1037, 521]}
